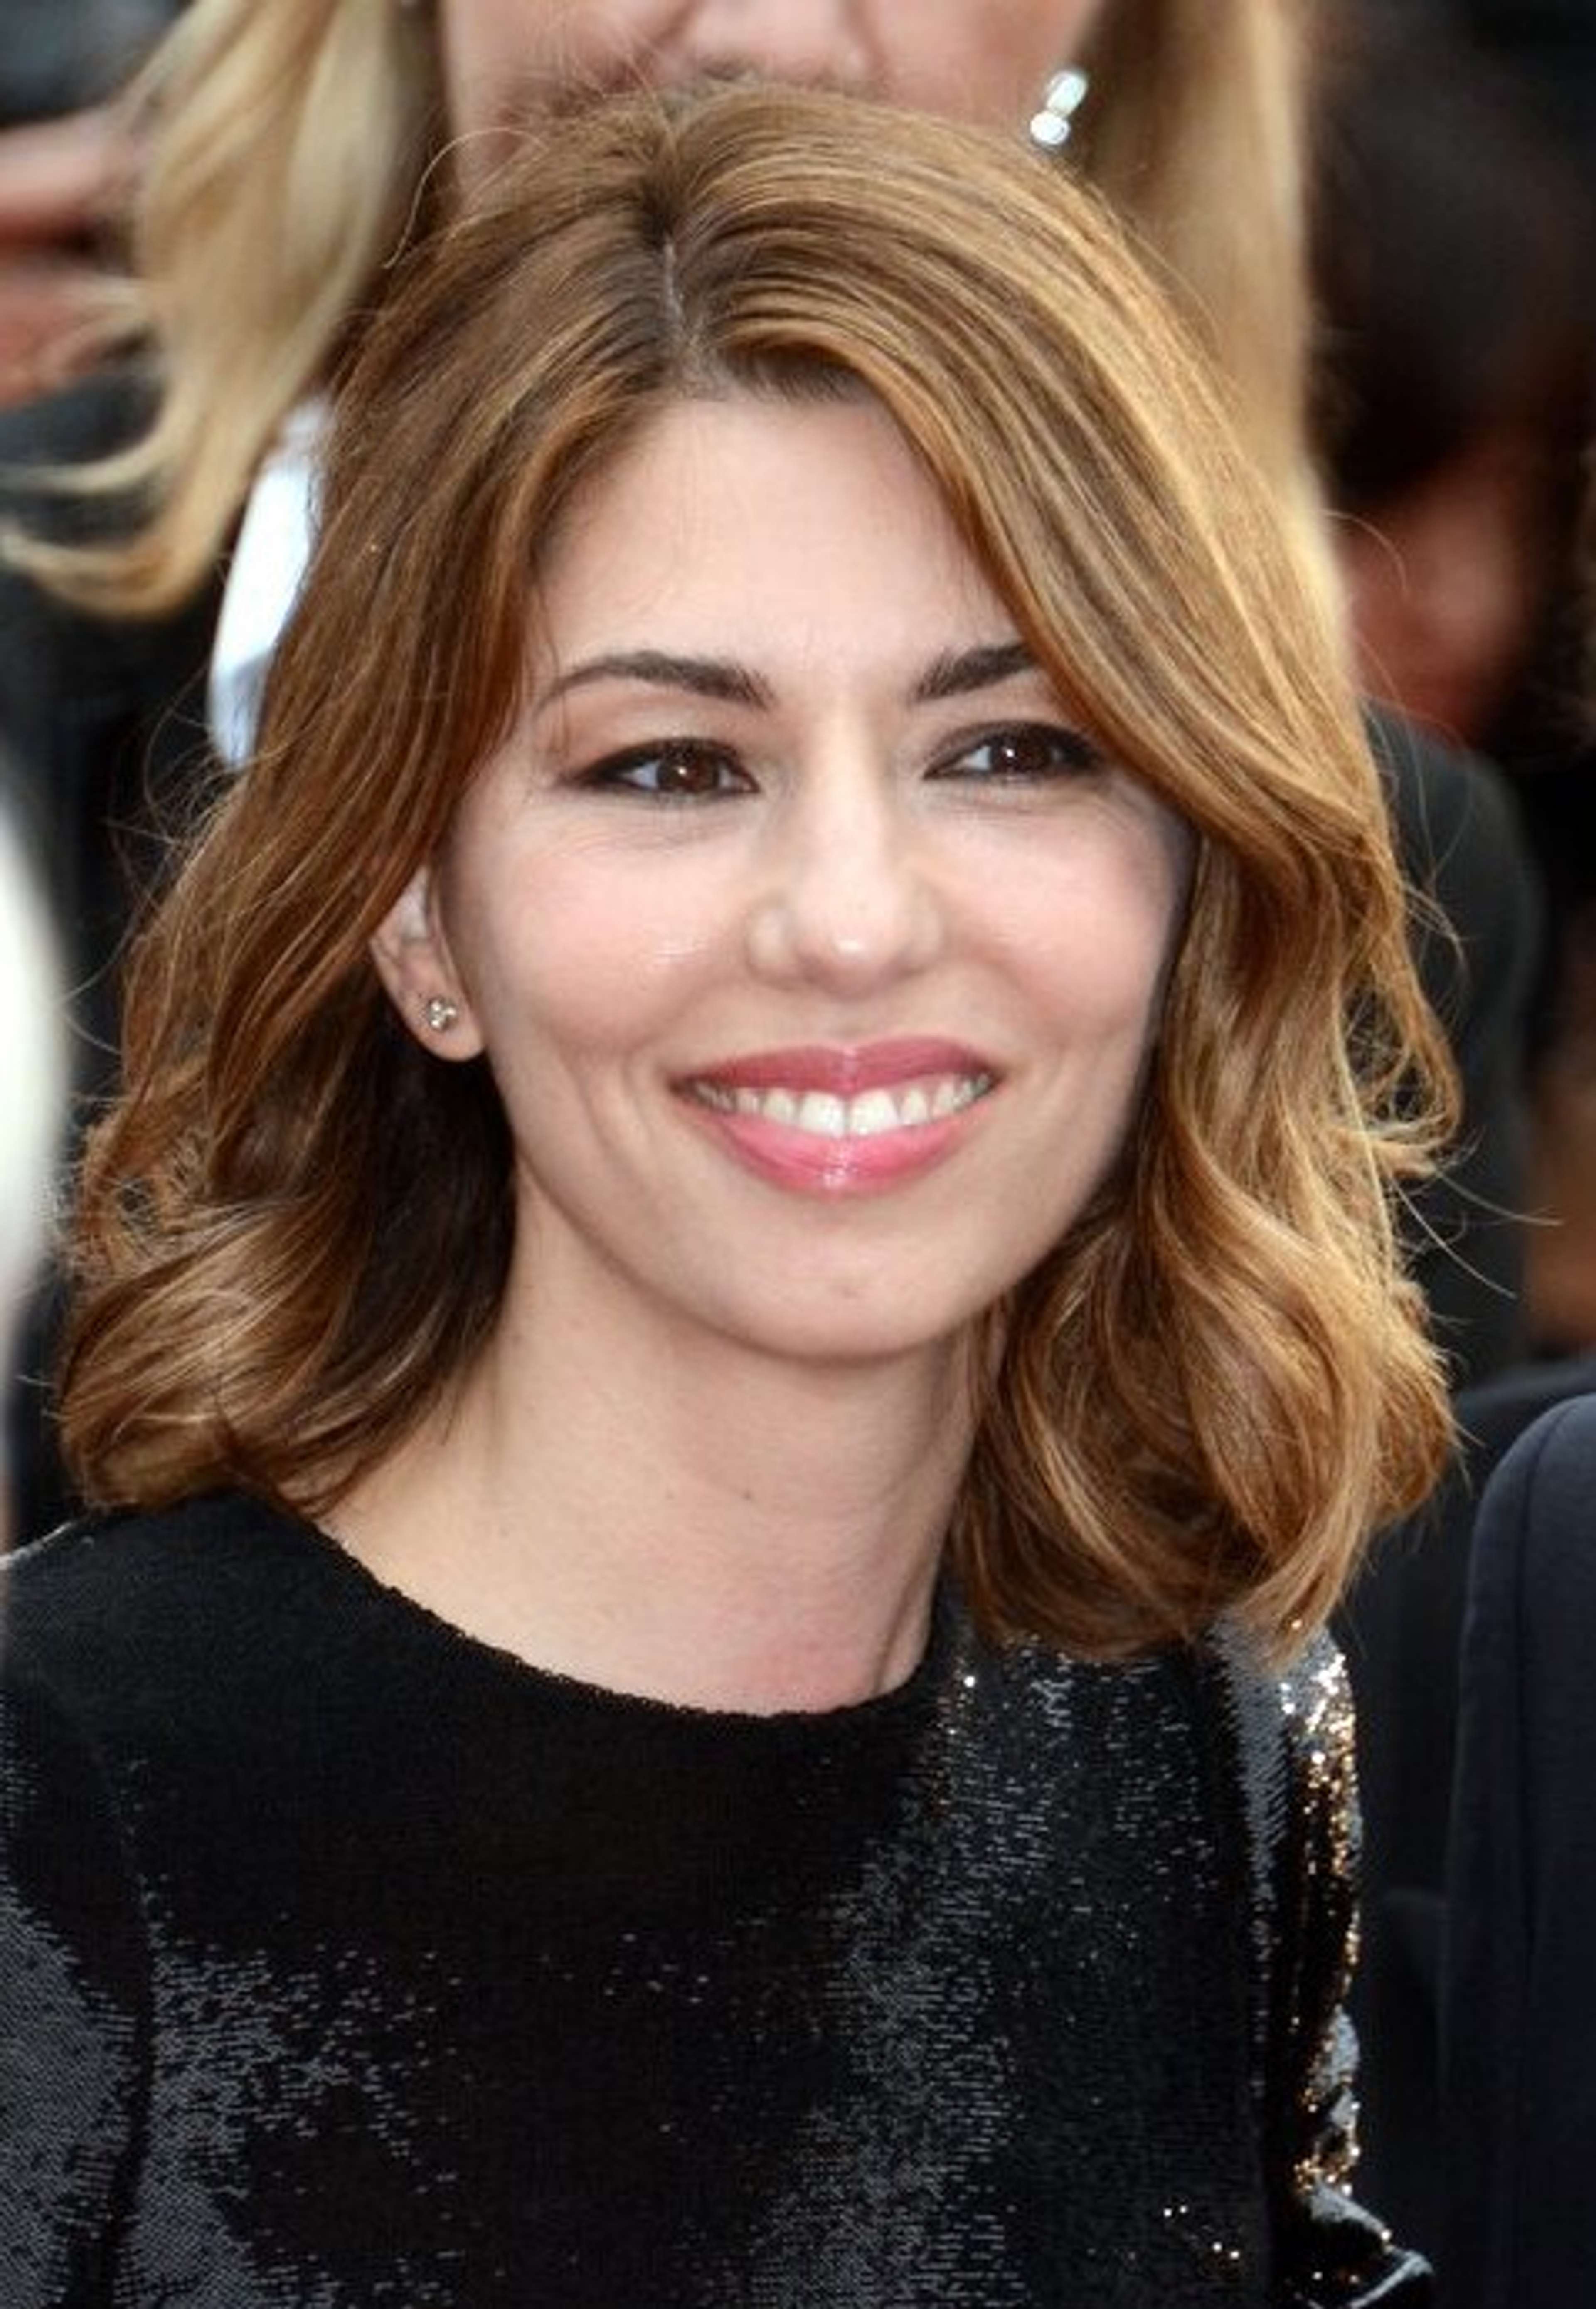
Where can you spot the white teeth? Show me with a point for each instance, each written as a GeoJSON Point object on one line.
{"type": "Point", "coordinates": [873, 1112]}
{"type": "Point", "coordinates": [824, 1115]}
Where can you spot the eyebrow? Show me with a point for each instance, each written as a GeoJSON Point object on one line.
{"type": "Point", "coordinates": [703, 676]}
{"type": "Point", "coordinates": [955, 674]}
{"type": "Point", "coordinates": [966, 670]}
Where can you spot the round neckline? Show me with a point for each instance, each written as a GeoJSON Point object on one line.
{"type": "Point", "coordinates": [907, 1698]}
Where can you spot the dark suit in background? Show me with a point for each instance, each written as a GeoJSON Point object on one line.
{"type": "Point", "coordinates": [1402, 1630]}
{"type": "Point", "coordinates": [1519, 1999]}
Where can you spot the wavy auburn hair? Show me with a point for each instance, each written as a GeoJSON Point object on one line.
{"type": "Point", "coordinates": [295, 1225]}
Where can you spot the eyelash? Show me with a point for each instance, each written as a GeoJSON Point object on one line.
{"type": "Point", "coordinates": [615, 773]}
{"type": "Point", "coordinates": [1071, 754]}
{"type": "Point", "coordinates": [1068, 754]}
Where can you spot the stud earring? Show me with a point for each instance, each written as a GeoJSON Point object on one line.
{"type": "Point", "coordinates": [1062, 98]}
{"type": "Point", "coordinates": [440, 1013]}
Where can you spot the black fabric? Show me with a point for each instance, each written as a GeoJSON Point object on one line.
{"type": "Point", "coordinates": [1401, 1629]}
{"type": "Point", "coordinates": [1519, 2016]}
{"type": "Point", "coordinates": [1477, 933]}
{"type": "Point", "coordinates": [57, 54]}
{"type": "Point", "coordinates": [347, 1960]}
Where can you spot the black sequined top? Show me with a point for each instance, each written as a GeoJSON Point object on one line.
{"type": "Point", "coordinates": [347, 1961]}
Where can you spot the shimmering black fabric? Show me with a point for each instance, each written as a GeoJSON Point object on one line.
{"type": "Point", "coordinates": [348, 1962]}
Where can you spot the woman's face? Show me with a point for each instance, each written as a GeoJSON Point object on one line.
{"type": "Point", "coordinates": [974, 59]}
{"type": "Point", "coordinates": [815, 947]}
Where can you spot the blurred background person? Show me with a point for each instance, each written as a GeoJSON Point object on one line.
{"type": "Point", "coordinates": [1456, 261]}
{"type": "Point", "coordinates": [1452, 256]}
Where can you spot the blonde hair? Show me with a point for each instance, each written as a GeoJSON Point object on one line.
{"type": "Point", "coordinates": [1197, 130]}
{"type": "Point", "coordinates": [291, 144]}
{"type": "Point", "coordinates": [289, 141]}
{"type": "Point", "coordinates": [295, 1226]}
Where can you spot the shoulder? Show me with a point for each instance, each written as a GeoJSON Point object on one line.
{"type": "Point", "coordinates": [1476, 923]}
{"type": "Point", "coordinates": [1461, 842]}
{"type": "Point", "coordinates": [120, 1617]}
{"type": "Point", "coordinates": [1528, 1702]}
{"type": "Point", "coordinates": [1295, 1723]}
{"type": "Point", "coordinates": [1551, 1468]}
{"type": "Point", "coordinates": [1447, 803]}
{"type": "Point", "coordinates": [1527, 1698]}
{"type": "Point", "coordinates": [1534, 1552]}
{"type": "Point", "coordinates": [1275, 1724]}
{"type": "Point", "coordinates": [117, 1555]}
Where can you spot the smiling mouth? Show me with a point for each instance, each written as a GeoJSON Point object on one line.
{"type": "Point", "coordinates": [870, 1114]}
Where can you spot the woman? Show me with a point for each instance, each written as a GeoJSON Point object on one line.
{"type": "Point", "coordinates": [744, 1296]}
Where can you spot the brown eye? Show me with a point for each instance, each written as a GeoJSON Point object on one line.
{"type": "Point", "coordinates": [688, 773]}
{"type": "Point", "coordinates": [1025, 753]}
{"type": "Point", "coordinates": [677, 770]}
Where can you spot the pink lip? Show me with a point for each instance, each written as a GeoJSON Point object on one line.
{"type": "Point", "coordinates": [810, 1163]}
{"type": "Point", "coordinates": [847, 1069]}
{"type": "Point", "coordinates": [835, 1166]}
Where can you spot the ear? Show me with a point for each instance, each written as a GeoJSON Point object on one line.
{"type": "Point", "coordinates": [412, 953]}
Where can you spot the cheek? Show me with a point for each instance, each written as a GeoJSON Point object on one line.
{"type": "Point", "coordinates": [575, 955]}
{"type": "Point", "coordinates": [1093, 932]}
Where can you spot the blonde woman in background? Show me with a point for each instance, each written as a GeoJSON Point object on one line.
{"type": "Point", "coordinates": [295, 144]}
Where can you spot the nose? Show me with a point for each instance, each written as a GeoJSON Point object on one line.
{"type": "Point", "coordinates": [803, 40]}
{"type": "Point", "coordinates": [848, 902]}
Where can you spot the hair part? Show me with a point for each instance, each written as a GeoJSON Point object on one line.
{"type": "Point", "coordinates": [294, 1227]}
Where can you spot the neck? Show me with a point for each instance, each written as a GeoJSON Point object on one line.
{"type": "Point", "coordinates": [679, 1517]}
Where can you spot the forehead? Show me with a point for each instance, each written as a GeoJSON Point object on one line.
{"type": "Point", "coordinates": [796, 532]}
